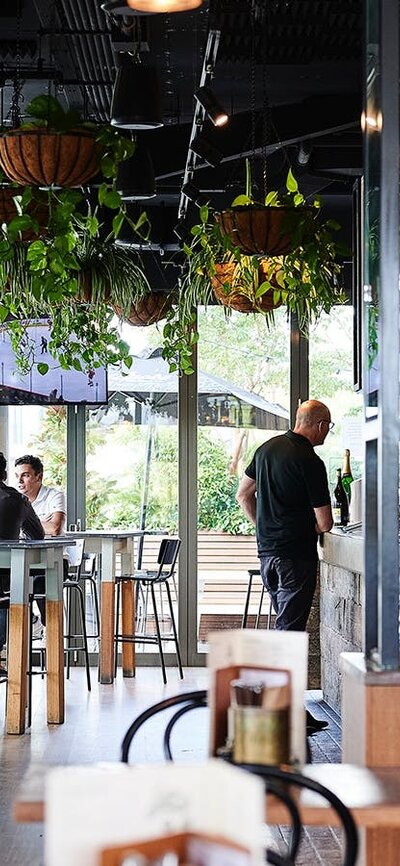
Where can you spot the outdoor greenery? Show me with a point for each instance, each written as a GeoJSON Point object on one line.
{"type": "Point", "coordinates": [115, 486]}
{"type": "Point", "coordinates": [109, 504]}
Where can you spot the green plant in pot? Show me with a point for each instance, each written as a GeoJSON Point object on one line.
{"type": "Point", "coordinates": [307, 279]}
{"type": "Point", "coordinates": [67, 258]}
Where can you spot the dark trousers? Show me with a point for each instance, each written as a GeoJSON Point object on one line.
{"type": "Point", "coordinates": [291, 585]}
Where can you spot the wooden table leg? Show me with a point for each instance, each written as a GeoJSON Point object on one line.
{"type": "Point", "coordinates": [18, 642]}
{"type": "Point", "coordinates": [55, 638]}
{"type": "Point", "coordinates": [128, 627]}
{"type": "Point", "coordinates": [106, 656]}
{"type": "Point", "coordinates": [17, 666]}
{"type": "Point", "coordinates": [55, 662]}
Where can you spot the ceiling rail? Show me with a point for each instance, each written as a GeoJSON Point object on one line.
{"type": "Point", "coordinates": [210, 57]}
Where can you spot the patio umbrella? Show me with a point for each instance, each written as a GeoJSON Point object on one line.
{"type": "Point", "coordinates": [221, 403]}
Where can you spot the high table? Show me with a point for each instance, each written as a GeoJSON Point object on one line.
{"type": "Point", "coordinates": [372, 795]}
{"type": "Point", "coordinates": [20, 556]}
{"type": "Point", "coordinates": [106, 543]}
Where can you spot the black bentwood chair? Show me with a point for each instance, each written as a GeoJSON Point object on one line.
{"type": "Point", "coordinates": [149, 584]}
{"type": "Point", "coordinates": [277, 781]}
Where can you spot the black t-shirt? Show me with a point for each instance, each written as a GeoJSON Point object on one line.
{"type": "Point", "coordinates": [291, 481]}
{"type": "Point", "coordinates": [16, 513]}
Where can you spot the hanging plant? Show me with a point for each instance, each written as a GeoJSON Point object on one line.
{"type": "Point", "coordinates": [71, 261]}
{"type": "Point", "coordinates": [307, 280]}
{"type": "Point", "coordinates": [274, 227]}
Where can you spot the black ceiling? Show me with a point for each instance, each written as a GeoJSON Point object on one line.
{"type": "Point", "coordinates": [288, 72]}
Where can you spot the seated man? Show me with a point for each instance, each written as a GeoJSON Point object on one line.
{"type": "Point", "coordinates": [16, 515]}
{"type": "Point", "coordinates": [49, 505]}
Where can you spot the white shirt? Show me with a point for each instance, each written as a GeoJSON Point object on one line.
{"type": "Point", "coordinates": [48, 501]}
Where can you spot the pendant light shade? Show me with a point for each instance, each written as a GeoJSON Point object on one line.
{"type": "Point", "coordinates": [136, 178]}
{"type": "Point", "coordinates": [136, 99]}
{"type": "Point", "coordinates": [164, 5]}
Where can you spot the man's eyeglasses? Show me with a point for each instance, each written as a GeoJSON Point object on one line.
{"type": "Point", "coordinates": [330, 424]}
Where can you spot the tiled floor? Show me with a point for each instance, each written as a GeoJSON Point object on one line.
{"type": "Point", "coordinates": [93, 731]}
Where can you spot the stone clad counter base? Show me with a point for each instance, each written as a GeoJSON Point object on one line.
{"type": "Point", "coordinates": [341, 567]}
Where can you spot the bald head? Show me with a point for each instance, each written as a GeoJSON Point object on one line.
{"type": "Point", "coordinates": [312, 421]}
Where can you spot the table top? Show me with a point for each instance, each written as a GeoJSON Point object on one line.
{"type": "Point", "coordinates": [113, 533]}
{"type": "Point", "coordinates": [373, 795]}
{"type": "Point", "coordinates": [23, 543]}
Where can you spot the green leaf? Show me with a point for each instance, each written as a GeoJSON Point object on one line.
{"type": "Point", "coordinates": [271, 199]}
{"type": "Point", "coordinates": [42, 368]}
{"type": "Point", "coordinates": [111, 198]}
{"type": "Point", "coordinates": [117, 223]}
{"type": "Point", "coordinates": [291, 182]}
{"type": "Point", "coordinates": [19, 224]}
{"type": "Point", "coordinates": [241, 200]}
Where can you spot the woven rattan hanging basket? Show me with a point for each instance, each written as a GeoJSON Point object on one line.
{"type": "Point", "coordinates": [227, 289]}
{"type": "Point", "coordinates": [47, 158]}
{"type": "Point", "coordinates": [152, 308]}
{"type": "Point", "coordinates": [266, 231]}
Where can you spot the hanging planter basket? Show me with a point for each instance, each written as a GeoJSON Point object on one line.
{"type": "Point", "coordinates": [266, 231]}
{"type": "Point", "coordinates": [227, 289]}
{"type": "Point", "coordinates": [152, 308]}
{"type": "Point", "coordinates": [44, 158]}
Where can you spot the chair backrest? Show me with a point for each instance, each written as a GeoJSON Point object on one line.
{"type": "Point", "coordinates": [74, 554]}
{"type": "Point", "coordinates": [168, 555]}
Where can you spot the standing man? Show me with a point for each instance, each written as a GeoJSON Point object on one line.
{"type": "Point", "coordinates": [49, 505]}
{"type": "Point", "coordinates": [16, 514]}
{"type": "Point", "coordinates": [285, 493]}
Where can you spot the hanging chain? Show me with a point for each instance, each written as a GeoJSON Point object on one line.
{"type": "Point", "coordinates": [253, 87]}
{"type": "Point", "coordinates": [17, 97]}
{"type": "Point", "coordinates": [266, 108]}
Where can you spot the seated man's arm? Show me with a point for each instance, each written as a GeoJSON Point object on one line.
{"type": "Point", "coordinates": [53, 524]}
{"type": "Point", "coordinates": [54, 519]}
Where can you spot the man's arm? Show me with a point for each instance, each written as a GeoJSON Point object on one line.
{"type": "Point", "coordinates": [52, 524]}
{"type": "Point", "coordinates": [246, 497]}
{"type": "Point", "coordinates": [323, 519]}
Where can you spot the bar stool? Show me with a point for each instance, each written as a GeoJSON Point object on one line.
{"type": "Point", "coordinates": [252, 573]}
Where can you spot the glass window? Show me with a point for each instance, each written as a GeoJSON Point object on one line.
{"type": "Point", "coordinates": [243, 399]}
{"type": "Point", "coordinates": [331, 380]}
{"type": "Point", "coordinates": [132, 450]}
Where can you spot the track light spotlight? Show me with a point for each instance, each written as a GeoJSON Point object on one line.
{"type": "Point", "coordinates": [212, 107]}
{"type": "Point", "coordinates": [192, 193]}
{"type": "Point", "coordinates": [164, 5]}
{"type": "Point", "coordinates": [136, 99]}
{"type": "Point", "coordinates": [206, 151]}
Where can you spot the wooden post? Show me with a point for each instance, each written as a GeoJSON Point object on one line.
{"type": "Point", "coordinates": [370, 724]}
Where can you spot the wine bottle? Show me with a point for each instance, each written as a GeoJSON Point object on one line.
{"type": "Point", "coordinates": [347, 477]}
{"type": "Point", "coordinates": [340, 503]}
